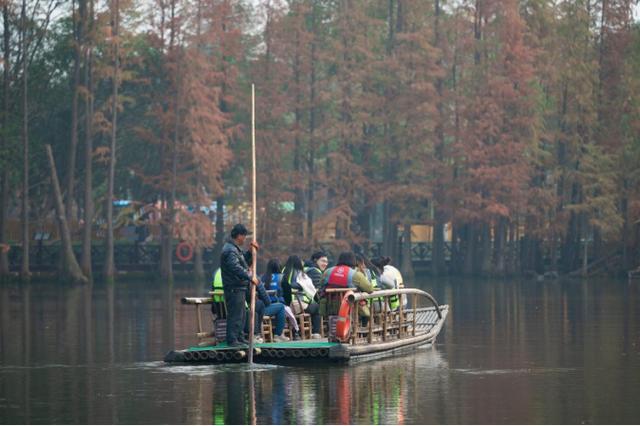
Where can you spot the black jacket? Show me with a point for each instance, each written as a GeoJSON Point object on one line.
{"type": "Point", "coordinates": [234, 265]}
{"type": "Point", "coordinates": [313, 272]}
{"type": "Point", "coordinates": [261, 294]}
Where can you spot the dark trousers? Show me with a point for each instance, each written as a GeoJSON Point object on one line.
{"type": "Point", "coordinates": [314, 311]}
{"type": "Point", "coordinates": [257, 326]}
{"type": "Point", "coordinates": [276, 310]}
{"type": "Point", "coordinates": [234, 299]}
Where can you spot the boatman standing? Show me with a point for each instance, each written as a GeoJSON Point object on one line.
{"type": "Point", "coordinates": [236, 278]}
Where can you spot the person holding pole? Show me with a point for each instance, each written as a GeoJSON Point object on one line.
{"type": "Point", "coordinates": [236, 279]}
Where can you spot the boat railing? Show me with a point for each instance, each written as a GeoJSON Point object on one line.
{"type": "Point", "coordinates": [384, 323]}
{"type": "Point", "coordinates": [355, 297]}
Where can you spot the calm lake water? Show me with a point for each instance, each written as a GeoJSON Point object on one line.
{"type": "Point", "coordinates": [510, 352]}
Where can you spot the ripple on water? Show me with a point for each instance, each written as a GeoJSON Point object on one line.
{"type": "Point", "coordinates": [519, 371]}
{"type": "Point", "coordinates": [212, 369]}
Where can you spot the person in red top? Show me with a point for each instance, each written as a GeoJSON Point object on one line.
{"type": "Point", "coordinates": [344, 275]}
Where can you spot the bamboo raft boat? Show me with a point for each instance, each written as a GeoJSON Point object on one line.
{"type": "Point", "coordinates": [387, 332]}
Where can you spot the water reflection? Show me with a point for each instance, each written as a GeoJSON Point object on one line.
{"type": "Point", "coordinates": [510, 352]}
{"type": "Point", "coordinates": [379, 392]}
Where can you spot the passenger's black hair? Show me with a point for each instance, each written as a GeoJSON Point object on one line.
{"type": "Point", "coordinates": [381, 261]}
{"type": "Point", "coordinates": [361, 258]}
{"type": "Point", "coordinates": [273, 267]}
{"type": "Point", "coordinates": [293, 265]}
{"type": "Point", "coordinates": [317, 255]}
{"type": "Point", "coordinates": [347, 258]}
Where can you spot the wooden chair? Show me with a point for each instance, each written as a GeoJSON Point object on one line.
{"type": "Point", "coordinates": [304, 319]}
{"type": "Point", "coordinates": [304, 322]}
{"type": "Point", "coordinates": [267, 329]}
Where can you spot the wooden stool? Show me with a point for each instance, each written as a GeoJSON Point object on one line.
{"type": "Point", "coordinates": [304, 322]}
{"type": "Point", "coordinates": [267, 329]}
{"type": "Point", "coordinates": [324, 327]}
{"type": "Point", "coordinates": [288, 332]}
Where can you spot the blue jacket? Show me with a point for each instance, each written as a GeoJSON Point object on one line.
{"type": "Point", "coordinates": [273, 283]}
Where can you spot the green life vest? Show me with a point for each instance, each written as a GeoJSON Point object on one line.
{"type": "Point", "coordinates": [217, 285]}
{"type": "Point", "coordinates": [374, 281]}
{"type": "Point", "coordinates": [394, 302]}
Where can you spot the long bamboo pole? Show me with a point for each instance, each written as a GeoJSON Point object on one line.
{"type": "Point", "coordinates": [254, 252]}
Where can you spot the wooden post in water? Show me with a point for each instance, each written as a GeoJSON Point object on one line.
{"type": "Point", "coordinates": [254, 253]}
{"type": "Point", "coordinates": [415, 311]}
{"type": "Point", "coordinates": [199, 319]}
{"type": "Point", "coordinates": [355, 323]}
{"type": "Point", "coordinates": [400, 318]}
{"type": "Point", "coordinates": [371, 317]}
{"type": "Point", "coordinates": [385, 314]}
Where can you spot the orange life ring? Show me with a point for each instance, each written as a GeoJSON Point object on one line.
{"type": "Point", "coordinates": [343, 326]}
{"type": "Point", "coordinates": [184, 257]}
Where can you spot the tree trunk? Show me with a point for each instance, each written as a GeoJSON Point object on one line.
{"type": "Point", "coordinates": [198, 264]}
{"type": "Point", "coordinates": [312, 126]}
{"type": "Point", "coordinates": [299, 197]}
{"type": "Point", "coordinates": [4, 176]}
{"type": "Point", "coordinates": [25, 273]}
{"type": "Point", "coordinates": [456, 263]}
{"type": "Point", "coordinates": [469, 251]}
{"type": "Point", "coordinates": [88, 156]}
{"type": "Point", "coordinates": [526, 256]}
{"type": "Point", "coordinates": [166, 254]}
{"type": "Point", "coordinates": [437, 248]}
{"type": "Point", "coordinates": [390, 233]}
{"type": "Point", "coordinates": [219, 231]}
{"type": "Point", "coordinates": [4, 206]}
{"type": "Point", "coordinates": [73, 148]}
{"type": "Point", "coordinates": [597, 248]}
{"type": "Point", "coordinates": [585, 258]}
{"type": "Point", "coordinates": [70, 268]}
{"type": "Point", "coordinates": [512, 255]}
{"type": "Point", "coordinates": [167, 267]}
{"type": "Point", "coordinates": [109, 265]}
{"type": "Point", "coordinates": [407, 264]}
{"type": "Point", "coordinates": [500, 247]}
{"type": "Point", "coordinates": [485, 255]}
{"type": "Point", "coordinates": [624, 208]}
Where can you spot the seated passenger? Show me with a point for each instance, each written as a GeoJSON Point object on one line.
{"type": "Point", "coordinates": [345, 275]}
{"type": "Point", "coordinates": [292, 279]}
{"type": "Point", "coordinates": [217, 307]}
{"type": "Point", "coordinates": [378, 281]}
{"type": "Point", "coordinates": [316, 266]}
{"type": "Point", "coordinates": [264, 306]}
{"type": "Point", "coordinates": [392, 275]}
{"type": "Point", "coordinates": [271, 280]}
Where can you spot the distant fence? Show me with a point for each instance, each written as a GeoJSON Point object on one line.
{"type": "Point", "coordinates": [420, 252]}
{"type": "Point", "coordinates": [45, 257]}
{"type": "Point", "coordinates": [127, 257]}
